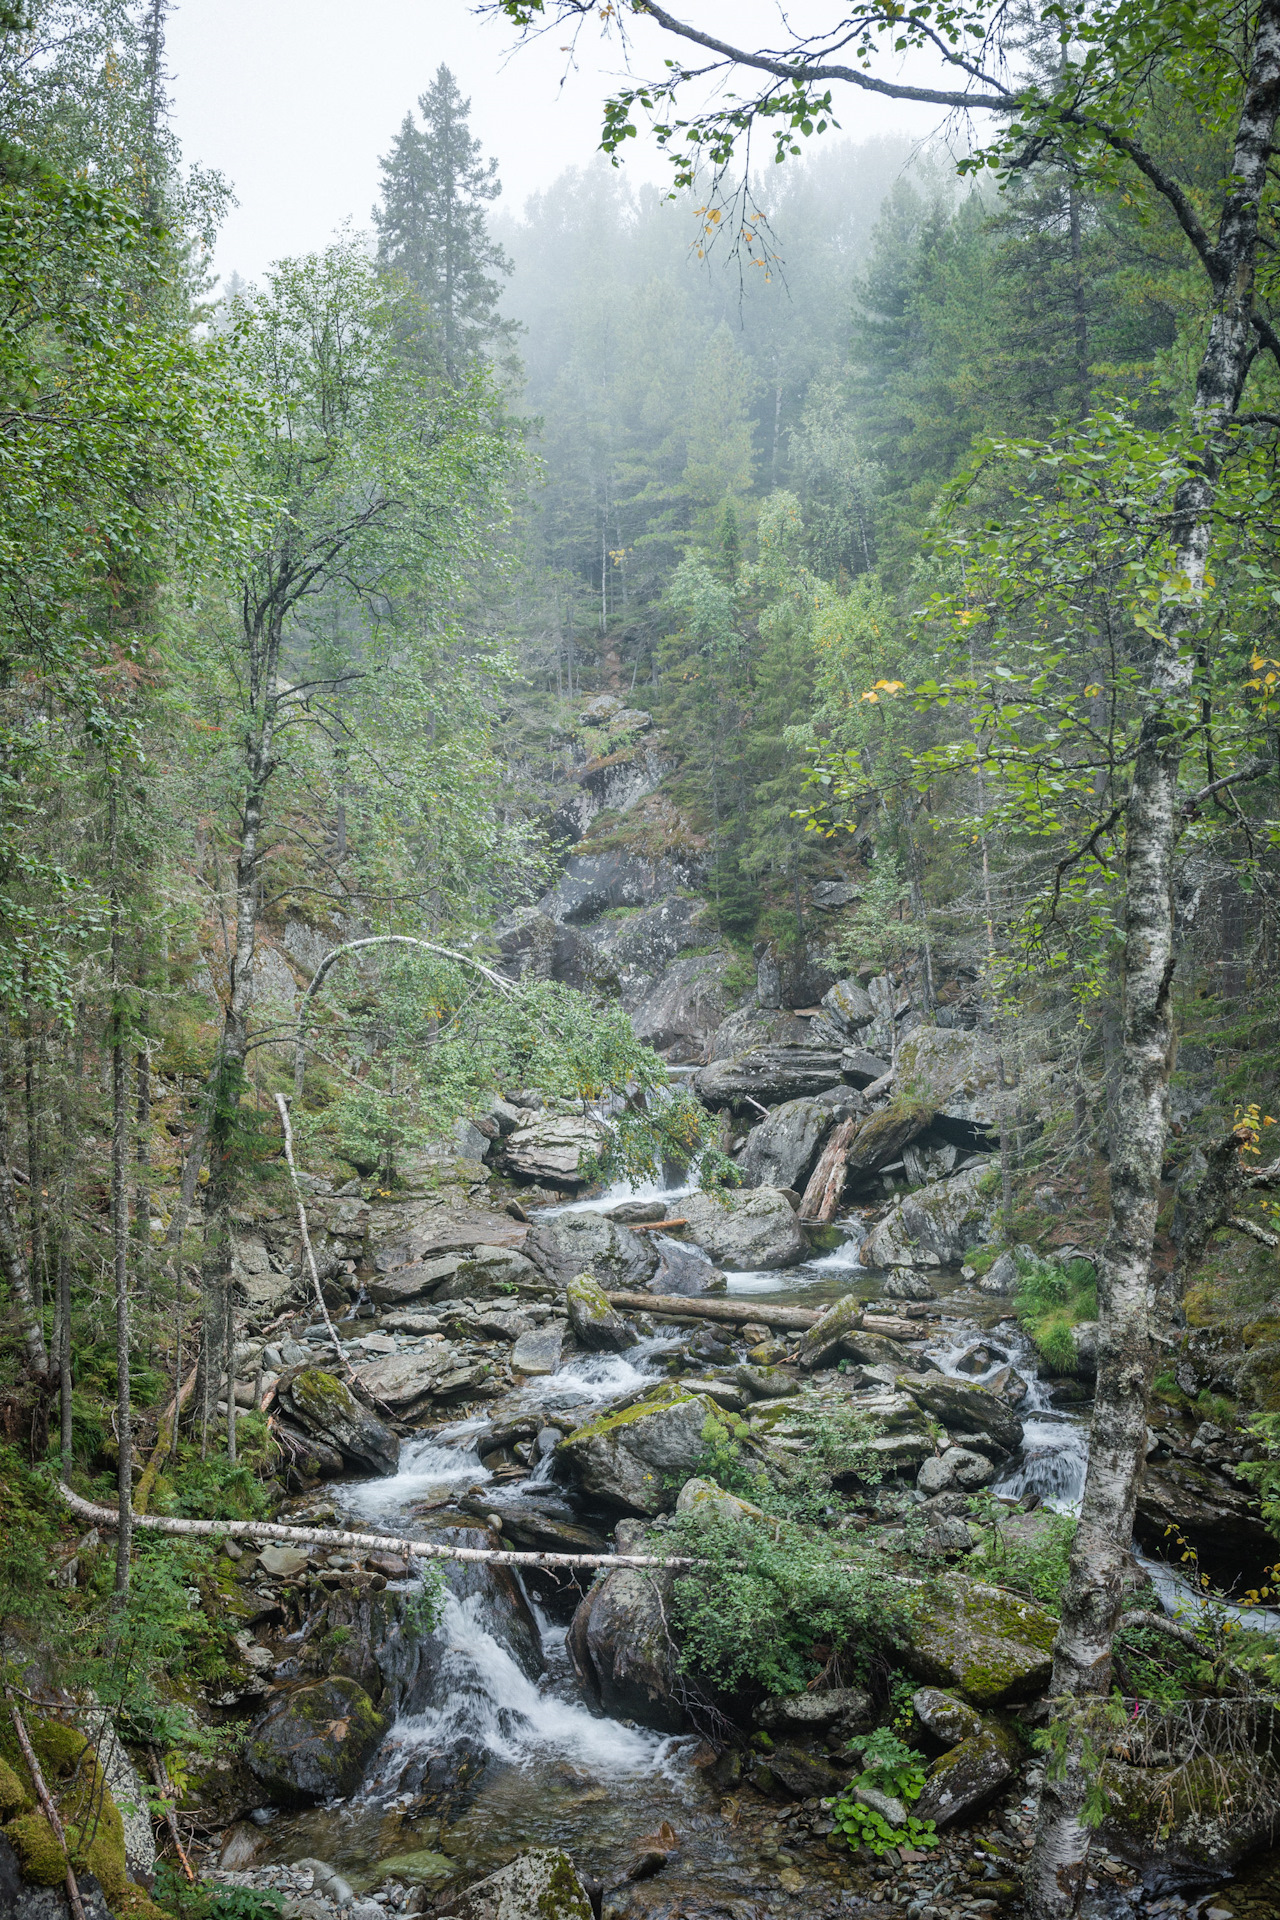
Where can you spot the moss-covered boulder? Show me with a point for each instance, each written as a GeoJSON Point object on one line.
{"type": "Point", "coordinates": [596, 1325]}
{"type": "Point", "coordinates": [325, 1406]}
{"type": "Point", "coordinates": [90, 1818]}
{"type": "Point", "coordinates": [314, 1742]}
{"type": "Point", "coordinates": [934, 1227]}
{"type": "Point", "coordinates": [622, 1651]}
{"type": "Point", "coordinates": [824, 1340]}
{"type": "Point", "coordinates": [637, 1459]}
{"type": "Point", "coordinates": [542, 1884]}
{"type": "Point", "coordinates": [963, 1780]}
{"type": "Point", "coordinates": [1206, 1816]}
{"type": "Point", "coordinates": [990, 1646]}
{"type": "Point", "coordinates": [14, 1797]}
{"type": "Point", "coordinates": [707, 1501]}
{"type": "Point", "coordinates": [941, 1719]}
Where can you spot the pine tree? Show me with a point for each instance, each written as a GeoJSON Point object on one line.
{"type": "Point", "coordinates": [432, 226]}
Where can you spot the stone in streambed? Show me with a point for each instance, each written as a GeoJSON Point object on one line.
{"type": "Point", "coordinates": [620, 1645]}
{"type": "Point", "coordinates": [573, 1243]}
{"type": "Point", "coordinates": [628, 1458]}
{"type": "Point", "coordinates": [962, 1781]}
{"type": "Point", "coordinates": [964, 1407]}
{"type": "Point", "coordinates": [990, 1646]}
{"type": "Point", "coordinates": [841, 1710]}
{"type": "Point", "coordinates": [745, 1232]}
{"type": "Point", "coordinates": [326, 1407]}
{"type": "Point", "coordinates": [943, 1718]}
{"type": "Point", "coordinates": [314, 1742]}
{"type": "Point", "coordinates": [542, 1884]}
{"type": "Point", "coordinates": [933, 1227]}
{"type": "Point", "coordinates": [538, 1352]}
{"type": "Point", "coordinates": [596, 1325]}
{"type": "Point", "coordinates": [805, 1776]}
{"type": "Point", "coordinates": [707, 1501]}
{"type": "Point", "coordinates": [824, 1339]}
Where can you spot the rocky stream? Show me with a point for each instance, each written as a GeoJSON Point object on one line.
{"type": "Point", "coordinates": [538, 1750]}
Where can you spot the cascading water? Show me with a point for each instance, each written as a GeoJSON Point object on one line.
{"type": "Point", "coordinates": [1055, 1445]}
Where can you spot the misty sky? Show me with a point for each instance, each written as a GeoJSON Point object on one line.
{"type": "Point", "coordinates": [293, 100]}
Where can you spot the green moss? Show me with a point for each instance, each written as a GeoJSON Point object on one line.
{"type": "Point", "coordinates": [422, 1865]}
{"type": "Point", "coordinates": [320, 1392]}
{"type": "Point", "coordinates": [90, 1817]}
{"type": "Point", "coordinates": [14, 1797]}
{"type": "Point", "coordinates": [562, 1898]}
{"type": "Point", "coordinates": [41, 1858]}
{"type": "Point", "coordinates": [606, 1423]}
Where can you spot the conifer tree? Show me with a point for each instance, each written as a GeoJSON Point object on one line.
{"type": "Point", "coordinates": [432, 225]}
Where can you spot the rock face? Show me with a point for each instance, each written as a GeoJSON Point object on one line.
{"type": "Point", "coordinates": [572, 1243]}
{"type": "Point", "coordinates": [683, 1007]}
{"type": "Point", "coordinates": [932, 1228]}
{"type": "Point", "coordinates": [596, 1325]}
{"type": "Point", "coordinates": [1203, 1818]}
{"type": "Point", "coordinates": [554, 1149]}
{"type": "Point", "coordinates": [1217, 1518]}
{"type": "Point", "coordinates": [957, 1074]}
{"type": "Point", "coordinates": [621, 1650]}
{"type": "Point", "coordinates": [326, 1408]}
{"type": "Point", "coordinates": [780, 1152]}
{"type": "Point", "coordinates": [314, 1742]}
{"type": "Point", "coordinates": [768, 1076]}
{"type": "Point", "coordinates": [542, 1884]}
{"type": "Point", "coordinates": [993, 1648]}
{"type": "Point", "coordinates": [627, 1458]}
{"type": "Point", "coordinates": [745, 1232]}
{"type": "Point", "coordinates": [592, 882]}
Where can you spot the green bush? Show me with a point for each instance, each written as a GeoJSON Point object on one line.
{"type": "Point", "coordinates": [1049, 1300]}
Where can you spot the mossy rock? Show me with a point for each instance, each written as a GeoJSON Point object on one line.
{"type": "Point", "coordinates": [1210, 1814]}
{"type": "Point", "coordinates": [135, 1903]}
{"type": "Point", "coordinates": [314, 1742]}
{"type": "Point", "coordinates": [992, 1647]}
{"type": "Point", "coordinates": [90, 1817]}
{"type": "Point", "coordinates": [42, 1859]}
{"type": "Point", "coordinates": [14, 1797]}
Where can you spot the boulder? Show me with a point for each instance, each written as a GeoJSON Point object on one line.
{"type": "Point", "coordinates": [326, 1408]}
{"type": "Point", "coordinates": [655, 936]}
{"type": "Point", "coordinates": [593, 882]}
{"type": "Point", "coordinates": [965, 1407]}
{"type": "Point", "coordinates": [1001, 1277]}
{"type": "Point", "coordinates": [780, 1152]}
{"type": "Point", "coordinates": [314, 1741]}
{"type": "Point", "coordinates": [848, 1007]}
{"type": "Point", "coordinates": [990, 1646]}
{"type": "Point", "coordinates": [578, 1242]}
{"type": "Point", "coordinates": [1084, 1338]}
{"type": "Point", "coordinates": [767, 1076]}
{"type": "Point", "coordinates": [596, 1325]}
{"type": "Point", "coordinates": [683, 1269]}
{"type": "Point", "coordinates": [963, 1781]}
{"type": "Point", "coordinates": [626, 1459]}
{"type": "Point", "coordinates": [749, 1028]}
{"type": "Point", "coordinates": [622, 1651]}
{"type": "Point", "coordinates": [825, 1339]}
{"type": "Point", "coordinates": [1217, 1518]}
{"type": "Point", "coordinates": [538, 1352]}
{"type": "Point", "coordinates": [943, 1718]}
{"type": "Point", "coordinates": [905, 1284]}
{"type": "Point", "coordinates": [933, 1227]}
{"type": "Point", "coordinates": [554, 1150]}
{"type": "Point", "coordinates": [805, 1776]}
{"type": "Point", "coordinates": [487, 1272]}
{"type": "Point", "coordinates": [862, 1068]}
{"type": "Point", "coordinates": [413, 1282]}
{"type": "Point", "coordinates": [404, 1382]}
{"type": "Point", "coordinates": [956, 1073]}
{"type": "Point", "coordinates": [745, 1232]}
{"type": "Point", "coordinates": [842, 1711]}
{"type": "Point", "coordinates": [1199, 1820]}
{"type": "Point", "coordinates": [708, 1501]}
{"type": "Point", "coordinates": [542, 1884]}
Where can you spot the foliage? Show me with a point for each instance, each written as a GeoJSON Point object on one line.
{"type": "Point", "coordinates": [764, 1593]}
{"type": "Point", "coordinates": [1050, 1299]}
{"type": "Point", "coordinates": [201, 1901]}
{"type": "Point", "coordinates": [891, 1767]}
{"type": "Point", "coordinates": [1036, 1561]}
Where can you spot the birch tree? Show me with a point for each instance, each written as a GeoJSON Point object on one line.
{"type": "Point", "coordinates": [1222, 64]}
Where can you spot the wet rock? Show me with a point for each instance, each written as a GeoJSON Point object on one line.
{"type": "Point", "coordinates": [538, 1352]}
{"type": "Point", "coordinates": [780, 1152]}
{"type": "Point", "coordinates": [843, 1711]}
{"type": "Point", "coordinates": [989, 1645]}
{"type": "Point", "coordinates": [542, 1884]}
{"type": "Point", "coordinates": [684, 1269]}
{"type": "Point", "coordinates": [597, 1326]}
{"type": "Point", "coordinates": [1001, 1277]}
{"type": "Point", "coordinates": [943, 1718]}
{"type": "Point", "coordinates": [933, 1227]}
{"type": "Point", "coordinates": [325, 1406]}
{"type": "Point", "coordinates": [405, 1382]}
{"type": "Point", "coordinates": [963, 1781]}
{"type": "Point", "coordinates": [1219, 1519]}
{"type": "Point", "coordinates": [767, 1076]}
{"type": "Point", "coordinates": [573, 1243]}
{"type": "Point", "coordinates": [1200, 1819]}
{"type": "Point", "coordinates": [904, 1284]}
{"type": "Point", "coordinates": [621, 1648]}
{"type": "Point", "coordinates": [314, 1742]}
{"type": "Point", "coordinates": [626, 1459]}
{"type": "Point", "coordinates": [745, 1232]}
{"type": "Point", "coordinates": [805, 1776]}
{"type": "Point", "coordinates": [708, 1501]}
{"type": "Point", "coordinates": [965, 1408]}
{"type": "Point", "coordinates": [684, 1006]}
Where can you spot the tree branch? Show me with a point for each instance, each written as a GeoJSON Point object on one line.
{"type": "Point", "coordinates": [1256, 770]}
{"type": "Point", "coordinates": [1254, 1231]}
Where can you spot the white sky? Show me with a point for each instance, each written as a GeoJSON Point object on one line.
{"type": "Point", "coordinates": [293, 100]}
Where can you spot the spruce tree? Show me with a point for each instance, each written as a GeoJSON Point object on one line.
{"type": "Point", "coordinates": [432, 226]}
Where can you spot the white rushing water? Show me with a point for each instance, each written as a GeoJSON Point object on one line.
{"type": "Point", "coordinates": [1055, 1445]}
{"type": "Point", "coordinates": [490, 1703]}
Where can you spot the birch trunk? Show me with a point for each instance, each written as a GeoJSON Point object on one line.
{"type": "Point", "coordinates": [1117, 1441]}
{"type": "Point", "coordinates": [120, 1230]}
{"type": "Point", "coordinates": [13, 1256]}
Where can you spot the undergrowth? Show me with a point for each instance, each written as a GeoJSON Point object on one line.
{"type": "Point", "coordinates": [1049, 1300]}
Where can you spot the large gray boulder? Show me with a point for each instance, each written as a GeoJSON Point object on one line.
{"type": "Point", "coordinates": [934, 1227]}
{"type": "Point", "coordinates": [956, 1073]}
{"type": "Point", "coordinates": [313, 1742]}
{"type": "Point", "coordinates": [542, 1884]}
{"type": "Point", "coordinates": [405, 1382]}
{"type": "Point", "coordinates": [848, 1007]}
{"type": "Point", "coordinates": [572, 1243]}
{"type": "Point", "coordinates": [553, 1149]}
{"type": "Point", "coordinates": [596, 1325]}
{"type": "Point", "coordinates": [961, 1782]}
{"type": "Point", "coordinates": [622, 1650]}
{"type": "Point", "coordinates": [326, 1408]}
{"type": "Point", "coordinates": [745, 1232]}
{"type": "Point", "coordinates": [963, 1407]}
{"type": "Point", "coordinates": [592, 882]}
{"type": "Point", "coordinates": [780, 1152]}
{"type": "Point", "coordinates": [993, 1648]}
{"type": "Point", "coordinates": [767, 1076]}
{"type": "Point", "coordinates": [630, 1459]}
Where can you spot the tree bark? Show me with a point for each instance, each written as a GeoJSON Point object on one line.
{"type": "Point", "coordinates": [13, 1258]}
{"type": "Point", "coordinates": [120, 1229]}
{"type": "Point", "coordinates": [1118, 1432]}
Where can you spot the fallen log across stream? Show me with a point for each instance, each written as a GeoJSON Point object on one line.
{"type": "Point", "coordinates": [698, 1306]}
{"type": "Point", "coordinates": [270, 1532]}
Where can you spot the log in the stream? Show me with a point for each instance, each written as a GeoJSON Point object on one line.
{"type": "Point", "coordinates": [270, 1531]}
{"type": "Point", "coordinates": [737, 1313]}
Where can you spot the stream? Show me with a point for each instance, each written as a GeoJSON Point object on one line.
{"type": "Point", "coordinates": [505, 1753]}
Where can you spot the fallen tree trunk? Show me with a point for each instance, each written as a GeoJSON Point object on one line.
{"type": "Point", "coordinates": [736, 1312]}
{"type": "Point", "coordinates": [269, 1531]}
{"type": "Point", "coordinates": [826, 1182]}
{"type": "Point", "coordinates": [164, 1442]}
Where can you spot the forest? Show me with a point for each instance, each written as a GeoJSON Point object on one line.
{"type": "Point", "coordinates": [640, 989]}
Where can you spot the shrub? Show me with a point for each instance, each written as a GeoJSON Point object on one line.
{"type": "Point", "coordinates": [890, 1766]}
{"type": "Point", "coordinates": [1049, 1300]}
